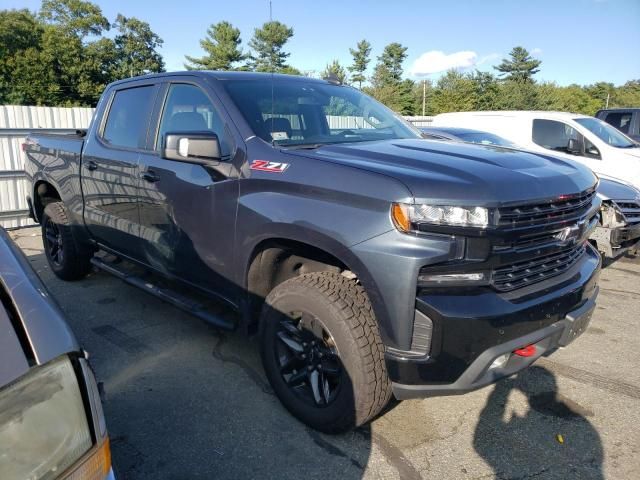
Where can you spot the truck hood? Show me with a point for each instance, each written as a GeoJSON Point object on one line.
{"type": "Point", "coordinates": [615, 189]}
{"type": "Point", "coordinates": [459, 174]}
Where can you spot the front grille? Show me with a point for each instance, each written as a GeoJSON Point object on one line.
{"type": "Point", "coordinates": [526, 273]}
{"type": "Point", "coordinates": [630, 210]}
{"type": "Point", "coordinates": [552, 211]}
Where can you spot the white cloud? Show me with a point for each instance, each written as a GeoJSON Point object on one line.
{"type": "Point", "coordinates": [536, 52]}
{"type": "Point", "coordinates": [436, 61]}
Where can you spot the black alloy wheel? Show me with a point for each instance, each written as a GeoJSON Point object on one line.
{"type": "Point", "coordinates": [308, 359]}
{"type": "Point", "coordinates": [53, 242]}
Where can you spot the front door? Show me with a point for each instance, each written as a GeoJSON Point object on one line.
{"type": "Point", "coordinates": [187, 211]}
{"type": "Point", "coordinates": [109, 169]}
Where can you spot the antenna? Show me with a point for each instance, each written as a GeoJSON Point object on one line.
{"type": "Point", "coordinates": [273, 141]}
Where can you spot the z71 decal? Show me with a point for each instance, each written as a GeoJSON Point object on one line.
{"type": "Point", "coordinates": [266, 166]}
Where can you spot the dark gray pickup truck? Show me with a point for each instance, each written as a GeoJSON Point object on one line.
{"type": "Point", "coordinates": [371, 261]}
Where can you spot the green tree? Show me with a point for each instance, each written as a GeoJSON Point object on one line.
{"type": "Point", "coordinates": [19, 31]}
{"type": "Point", "coordinates": [627, 95]}
{"type": "Point", "coordinates": [521, 67]}
{"type": "Point", "coordinates": [389, 69]}
{"type": "Point", "coordinates": [267, 45]}
{"type": "Point", "coordinates": [136, 46]}
{"type": "Point", "coordinates": [360, 62]}
{"type": "Point", "coordinates": [77, 17]}
{"type": "Point", "coordinates": [454, 92]}
{"type": "Point", "coordinates": [222, 47]}
{"type": "Point", "coordinates": [517, 96]}
{"type": "Point", "coordinates": [334, 68]}
{"type": "Point", "coordinates": [487, 90]}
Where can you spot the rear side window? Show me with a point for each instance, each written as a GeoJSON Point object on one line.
{"type": "Point", "coordinates": [619, 120]}
{"type": "Point", "coordinates": [128, 118]}
{"type": "Point", "coordinates": [553, 135]}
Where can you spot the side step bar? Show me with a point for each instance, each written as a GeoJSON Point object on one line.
{"type": "Point", "coordinates": [174, 298]}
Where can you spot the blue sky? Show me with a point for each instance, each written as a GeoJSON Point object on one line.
{"type": "Point", "coordinates": [578, 41]}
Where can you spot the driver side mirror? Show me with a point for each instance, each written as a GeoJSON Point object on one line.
{"type": "Point", "coordinates": [202, 148]}
{"type": "Point", "coordinates": [573, 146]}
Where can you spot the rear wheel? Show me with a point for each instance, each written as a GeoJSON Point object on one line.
{"type": "Point", "coordinates": [66, 258]}
{"type": "Point", "coordinates": [322, 352]}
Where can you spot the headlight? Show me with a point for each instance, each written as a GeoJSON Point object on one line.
{"type": "Point", "coordinates": [406, 217]}
{"type": "Point", "coordinates": [43, 423]}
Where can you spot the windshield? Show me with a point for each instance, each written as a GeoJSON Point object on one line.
{"type": "Point", "coordinates": [484, 138]}
{"type": "Point", "coordinates": [293, 112]}
{"type": "Point", "coordinates": [606, 133]}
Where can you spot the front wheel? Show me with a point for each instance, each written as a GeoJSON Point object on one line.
{"type": "Point", "coordinates": [322, 351]}
{"type": "Point", "coordinates": [66, 258]}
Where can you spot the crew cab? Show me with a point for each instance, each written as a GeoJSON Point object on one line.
{"type": "Point", "coordinates": [371, 261]}
{"type": "Point", "coordinates": [585, 139]}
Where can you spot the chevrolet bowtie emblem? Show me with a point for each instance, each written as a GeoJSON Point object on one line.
{"type": "Point", "coordinates": [570, 234]}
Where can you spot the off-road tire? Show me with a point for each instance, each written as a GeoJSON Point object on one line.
{"type": "Point", "coordinates": [342, 305]}
{"type": "Point", "coordinates": [75, 261]}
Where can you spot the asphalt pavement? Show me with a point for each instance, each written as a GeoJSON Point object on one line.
{"type": "Point", "coordinates": [184, 401]}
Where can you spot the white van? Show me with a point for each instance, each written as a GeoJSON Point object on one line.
{"type": "Point", "coordinates": [568, 135]}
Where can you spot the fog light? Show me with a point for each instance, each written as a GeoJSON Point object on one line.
{"type": "Point", "coordinates": [501, 361]}
{"type": "Point", "coordinates": [452, 279]}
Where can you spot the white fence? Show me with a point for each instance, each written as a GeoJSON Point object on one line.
{"type": "Point", "coordinates": [15, 124]}
{"type": "Point", "coordinates": [17, 121]}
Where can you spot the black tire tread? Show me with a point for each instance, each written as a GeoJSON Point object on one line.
{"type": "Point", "coordinates": [77, 260]}
{"type": "Point", "coordinates": [353, 303]}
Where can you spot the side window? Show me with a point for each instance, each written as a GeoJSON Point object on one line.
{"type": "Point", "coordinates": [188, 109]}
{"type": "Point", "coordinates": [128, 117]}
{"type": "Point", "coordinates": [553, 135]}
{"type": "Point", "coordinates": [619, 120]}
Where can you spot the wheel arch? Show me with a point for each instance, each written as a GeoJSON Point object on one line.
{"type": "Point", "coordinates": [275, 259]}
{"type": "Point", "coordinates": [44, 192]}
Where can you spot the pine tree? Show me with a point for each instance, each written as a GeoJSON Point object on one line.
{"type": "Point", "coordinates": [222, 47]}
{"type": "Point", "coordinates": [521, 67]}
{"type": "Point", "coordinates": [360, 62]}
{"type": "Point", "coordinates": [388, 70]}
{"type": "Point", "coordinates": [334, 68]}
{"type": "Point", "coordinates": [267, 45]}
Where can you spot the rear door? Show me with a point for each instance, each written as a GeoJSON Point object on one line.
{"type": "Point", "coordinates": [109, 170]}
{"type": "Point", "coordinates": [187, 210]}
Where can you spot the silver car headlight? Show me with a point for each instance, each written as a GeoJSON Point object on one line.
{"type": "Point", "coordinates": [44, 428]}
{"type": "Point", "coordinates": [406, 217]}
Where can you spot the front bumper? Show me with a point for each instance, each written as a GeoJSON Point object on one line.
{"type": "Point", "coordinates": [471, 328]}
{"type": "Point", "coordinates": [625, 235]}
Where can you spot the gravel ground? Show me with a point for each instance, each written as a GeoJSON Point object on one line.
{"type": "Point", "coordinates": [184, 401]}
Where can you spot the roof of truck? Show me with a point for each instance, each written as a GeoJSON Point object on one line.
{"type": "Point", "coordinates": [224, 75]}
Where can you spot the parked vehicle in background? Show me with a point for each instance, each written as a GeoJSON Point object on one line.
{"type": "Point", "coordinates": [465, 135]}
{"type": "Point", "coordinates": [371, 261]}
{"type": "Point", "coordinates": [587, 140]}
{"type": "Point", "coordinates": [627, 120]}
{"type": "Point", "coordinates": [618, 230]}
{"type": "Point", "coordinates": [51, 421]}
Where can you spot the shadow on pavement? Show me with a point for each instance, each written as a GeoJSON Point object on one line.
{"type": "Point", "coordinates": [553, 439]}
